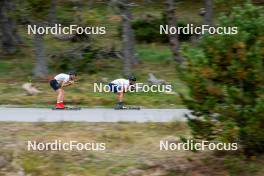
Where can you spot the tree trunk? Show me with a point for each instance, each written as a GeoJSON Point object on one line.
{"type": "Point", "coordinates": [41, 68]}
{"type": "Point", "coordinates": [173, 38]}
{"type": "Point", "coordinates": [126, 50]}
{"type": "Point", "coordinates": [208, 17]}
{"type": "Point", "coordinates": [128, 39]}
{"type": "Point", "coordinates": [10, 38]}
{"type": "Point", "coordinates": [52, 12]}
{"type": "Point", "coordinates": [16, 37]}
{"type": "Point", "coordinates": [90, 4]}
{"type": "Point", "coordinates": [13, 27]}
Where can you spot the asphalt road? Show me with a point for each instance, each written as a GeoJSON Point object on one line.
{"type": "Point", "coordinates": [91, 115]}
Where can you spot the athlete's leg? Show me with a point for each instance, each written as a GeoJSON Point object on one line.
{"type": "Point", "coordinates": [120, 96]}
{"type": "Point", "coordinates": [60, 96]}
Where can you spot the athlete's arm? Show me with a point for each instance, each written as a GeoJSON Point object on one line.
{"type": "Point", "coordinates": [126, 88]}
{"type": "Point", "coordinates": [65, 84]}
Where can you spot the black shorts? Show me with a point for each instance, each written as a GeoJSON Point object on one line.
{"type": "Point", "coordinates": [114, 88]}
{"type": "Point", "coordinates": [54, 84]}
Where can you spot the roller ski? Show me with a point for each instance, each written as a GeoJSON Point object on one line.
{"type": "Point", "coordinates": [121, 106]}
{"type": "Point", "coordinates": [61, 106]}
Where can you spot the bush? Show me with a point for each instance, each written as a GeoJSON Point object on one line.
{"type": "Point", "coordinates": [80, 60]}
{"type": "Point", "coordinates": [225, 74]}
{"type": "Point", "coordinates": [147, 30]}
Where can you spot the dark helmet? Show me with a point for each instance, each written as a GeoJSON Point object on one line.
{"type": "Point", "coordinates": [132, 78]}
{"type": "Point", "coordinates": [72, 73]}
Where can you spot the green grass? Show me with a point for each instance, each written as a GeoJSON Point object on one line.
{"type": "Point", "coordinates": [128, 146]}
{"type": "Point", "coordinates": [154, 58]}
{"type": "Point", "coordinates": [154, 53]}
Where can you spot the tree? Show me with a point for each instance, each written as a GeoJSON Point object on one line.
{"type": "Point", "coordinates": [39, 11]}
{"type": "Point", "coordinates": [128, 39]}
{"type": "Point", "coordinates": [225, 6]}
{"type": "Point", "coordinates": [41, 68]}
{"type": "Point", "coordinates": [208, 16]}
{"type": "Point", "coordinates": [10, 38]}
{"type": "Point", "coordinates": [52, 12]}
{"type": "Point", "coordinates": [225, 75]}
{"type": "Point", "coordinates": [173, 38]}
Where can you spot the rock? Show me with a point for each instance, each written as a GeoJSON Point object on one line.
{"type": "Point", "coordinates": [3, 162]}
{"type": "Point", "coordinates": [171, 93]}
{"type": "Point", "coordinates": [71, 37]}
{"type": "Point", "coordinates": [152, 80]}
{"type": "Point", "coordinates": [105, 80]}
{"type": "Point", "coordinates": [151, 164]}
{"type": "Point", "coordinates": [30, 89]}
{"type": "Point", "coordinates": [21, 173]}
{"type": "Point", "coordinates": [134, 172]}
{"type": "Point", "coordinates": [171, 139]}
{"type": "Point", "coordinates": [64, 36]}
{"type": "Point", "coordinates": [202, 11]}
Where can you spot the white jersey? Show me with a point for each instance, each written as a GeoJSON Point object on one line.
{"type": "Point", "coordinates": [121, 82]}
{"type": "Point", "coordinates": [62, 77]}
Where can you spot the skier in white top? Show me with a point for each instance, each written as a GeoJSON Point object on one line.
{"type": "Point", "coordinates": [120, 86]}
{"type": "Point", "coordinates": [58, 83]}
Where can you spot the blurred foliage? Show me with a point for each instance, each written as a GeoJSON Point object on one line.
{"type": "Point", "coordinates": [225, 74]}
{"type": "Point", "coordinates": [80, 59]}
{"type": "Point", "coordinates": [147, 29]}
{"type": "Point", "coordinates": [38, 9]}
{"type": "Point", "coordinates": [227, 6]}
